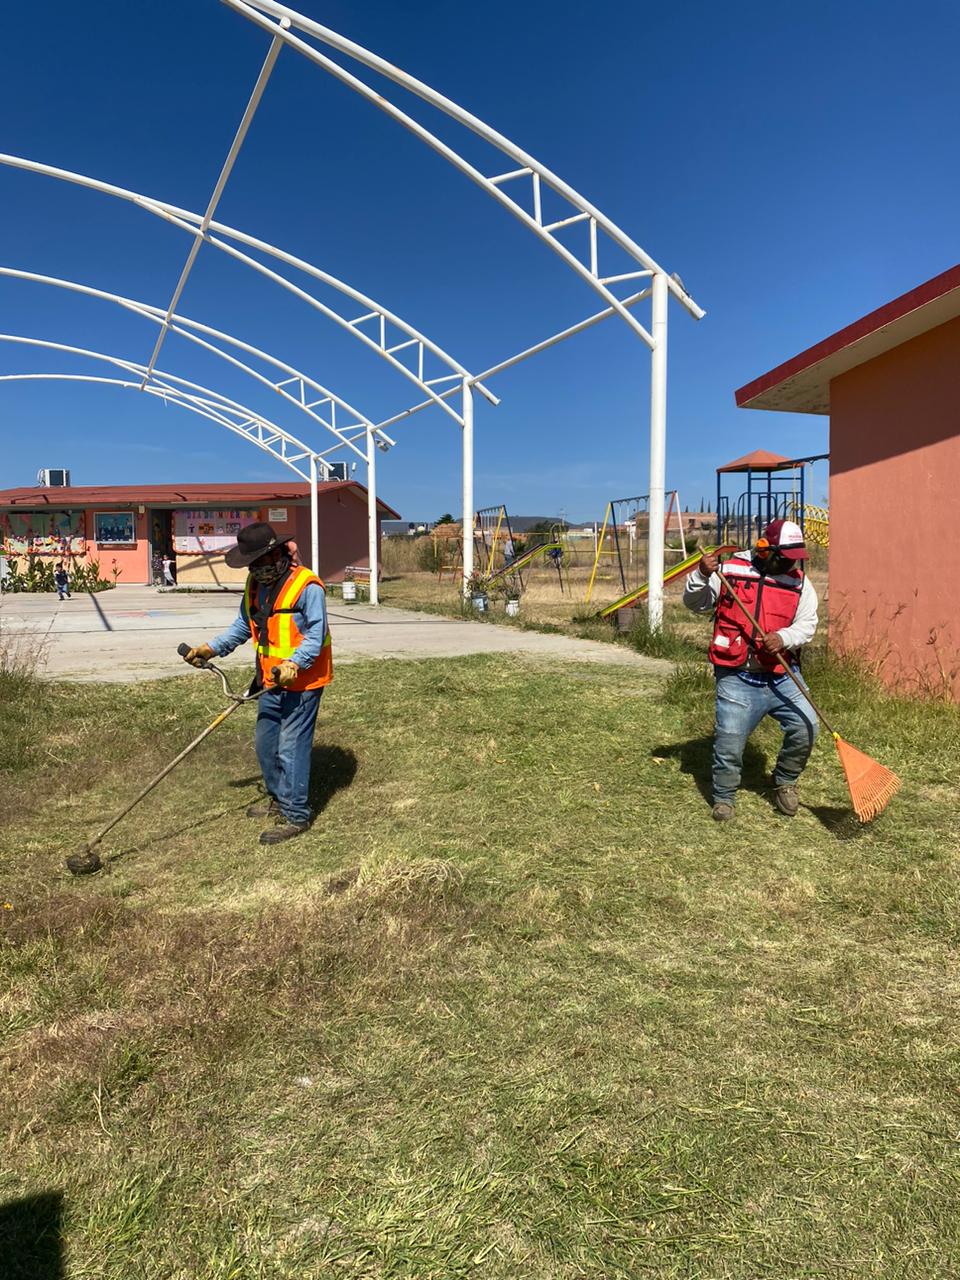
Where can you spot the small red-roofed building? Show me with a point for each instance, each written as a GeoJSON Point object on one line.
{"type": "Point", "coordinates": [127, 528]}
{"type": "Point", "coordinates": [890, 383]}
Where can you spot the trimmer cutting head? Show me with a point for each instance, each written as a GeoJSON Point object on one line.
{"type": "Point", "coordinates": [84, 862]}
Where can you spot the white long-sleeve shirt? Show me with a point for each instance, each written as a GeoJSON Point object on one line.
{"type": "Point", "coordinates": [700, 595]}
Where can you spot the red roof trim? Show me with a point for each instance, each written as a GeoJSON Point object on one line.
{"type": "Point", "coordinates": [940, 285]}
{"type": "Point", "coordinates": [183, 495]}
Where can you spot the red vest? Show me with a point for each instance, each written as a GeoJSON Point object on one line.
{"type": "Point", "coordinates": [772, 601]}
{"type": "Point", "coordinates": [283, 636]}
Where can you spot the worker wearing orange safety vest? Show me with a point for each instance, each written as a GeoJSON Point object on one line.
{"type": "Point", "coordinates": [751, 677]}
{"type": "Point", "coordinates": [284, 612]}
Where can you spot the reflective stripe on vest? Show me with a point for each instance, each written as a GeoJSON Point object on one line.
{"type": "Point", "coordinates": [773, 603]}
{"type": "Point", "coordinates": [283, 637]}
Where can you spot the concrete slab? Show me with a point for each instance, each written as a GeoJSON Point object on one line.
{"type": "Point", "coordinates": [132, 633]}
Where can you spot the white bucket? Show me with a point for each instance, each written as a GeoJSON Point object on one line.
{"type": "Point", "coordinates": [349, 590]}
{"type": "Point", "coordinates": [513, 608]}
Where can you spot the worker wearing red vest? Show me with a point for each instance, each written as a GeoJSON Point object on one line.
{"type": "Point", "coordinates": [751, 679]}
{"type": "Point", "coordinates": [284, 612]}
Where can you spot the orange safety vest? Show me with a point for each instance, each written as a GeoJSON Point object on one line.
{"type": "Point", "coordinates": [284, 637]}
{"type": "Point", "coordinates": [772, 602]}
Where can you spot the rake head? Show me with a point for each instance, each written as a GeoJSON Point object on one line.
{"type": "Point", "coordinates": [84, 862]}
{"type": "Point", "coordinates": [871, 784]}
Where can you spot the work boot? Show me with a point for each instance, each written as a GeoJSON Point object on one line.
{"type": "Point", "coordinates": [722, 812]}
{"type": "Point", "coordinates": [265, 808]}
{"type": "Point", "coordinates": [787, 799]}
{"type": "Point", "coordinates": [283, 830]}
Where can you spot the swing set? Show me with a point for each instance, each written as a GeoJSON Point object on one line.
{"type": "Point", "coordinates": [617, 541]}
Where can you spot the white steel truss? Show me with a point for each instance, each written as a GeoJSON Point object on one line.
{"type": "Point", "coordinates": [235, 417]}
{"type": "Point", "coordinates": [521, 189]}
{"type": "Point", "coordinates": [528, 175]}
{"type": "Point", "coordinates": [377, 328]}
{"type": "Point", "coordinates": [294, 390]}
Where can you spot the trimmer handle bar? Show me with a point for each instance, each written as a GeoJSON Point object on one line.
{"type": "Point", "coordinates": [206, 665]}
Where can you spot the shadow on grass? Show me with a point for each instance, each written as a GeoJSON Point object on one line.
{"type": "Point", "coordinates": [332, 769]}
{"type": "Point", "coordinates": [31, 1239]}
{"type": "Point", "coordinates": [696, 759]}
{"type": "Point", "coordinates": [842, 823]}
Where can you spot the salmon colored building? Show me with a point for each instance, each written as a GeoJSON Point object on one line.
{"type": "Point", "coordinates": [127, 527]}
{"type": "Point", "coordinates": [890, 384]}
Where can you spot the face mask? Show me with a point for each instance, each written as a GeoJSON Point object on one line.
{"type": "Point", "coordinates": [267, 573]}
{"type": "Point", "coordinates": [776, 563]}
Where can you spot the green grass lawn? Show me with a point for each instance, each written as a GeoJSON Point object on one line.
{"type": "Point", "coordinates": [515, 1006]}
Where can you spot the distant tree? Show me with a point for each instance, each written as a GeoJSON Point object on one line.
{"type": "Point", "coordinates": [446, 518]}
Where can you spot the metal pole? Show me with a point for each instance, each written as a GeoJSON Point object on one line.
{"type": "Point", "coordinates": [314, 518]}
{"type": "Point", "coordinates": [372, 522]}
{"type": "Point", "coordinates": [658, 444]}
{"type": "Point", "coordinates": [467, 415]}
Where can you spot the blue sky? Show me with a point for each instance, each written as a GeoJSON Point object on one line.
{"type": "Point", "coordinates": [795, 164]}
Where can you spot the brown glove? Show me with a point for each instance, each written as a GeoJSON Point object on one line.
{"type": "Point", "coordinates": [708, 564]}
{"type": "Point", "coordinates": [196, 657]}
{"type": "Point", "coordinates": [288, 673]}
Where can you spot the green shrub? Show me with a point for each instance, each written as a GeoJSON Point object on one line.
{"type": "Point", "coordinates": [36, 574]}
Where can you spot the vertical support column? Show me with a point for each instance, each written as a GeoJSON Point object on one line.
{"type": "Point", "coordinates": [658, 451]}
{"type": "Point", "coordinates": [314, 518]}
{"type": "Point", "coordinates": [373, 525]}
{"type": "Point", "coordinates": [468, 509]}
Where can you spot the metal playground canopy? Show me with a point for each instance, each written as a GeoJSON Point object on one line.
{"type": "Point", "coordinates": [441, 381]}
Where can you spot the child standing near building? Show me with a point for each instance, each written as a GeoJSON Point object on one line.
{"type": "Point", "coordinates": [62, 580]}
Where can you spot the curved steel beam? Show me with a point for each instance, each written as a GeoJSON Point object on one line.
{"type": "Point", "coordinates": [244, 422]}
{"type": "Point", "coordinates": [302, 380]}
{"type": "Point", "coordinates": [582, 210]}
{"type": "Point", "coordinates": [190, 222]}
{"type": "Point", "coordinates": [168, 395]}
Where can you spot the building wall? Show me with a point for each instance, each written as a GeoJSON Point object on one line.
{"type": "Point", "coordinates": [895, 511]}
{"type": "Point", "coordinates": [342, 536]}
{"type": "Point", "coordinates": [132, 564]}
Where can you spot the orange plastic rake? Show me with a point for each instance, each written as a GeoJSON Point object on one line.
{"type": "Point", "coordinates": [871, 784]}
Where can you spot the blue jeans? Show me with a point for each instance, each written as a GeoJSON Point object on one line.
{"type": "Point", "coordinates": [740, 708]}
{"type": "Point", "coordinates": [284, 740]}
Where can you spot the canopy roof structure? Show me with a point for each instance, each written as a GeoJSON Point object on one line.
{"type": "Point", "coordinates": [441, 380]}
{"type": "Point", "coordinates": [802, 384]}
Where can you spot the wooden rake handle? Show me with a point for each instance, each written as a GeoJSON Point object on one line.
{"type": "Point", "coordinates": [763, 635]}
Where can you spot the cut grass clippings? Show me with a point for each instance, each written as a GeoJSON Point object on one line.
{"type": "Point", "coordinates": [514, 1007]}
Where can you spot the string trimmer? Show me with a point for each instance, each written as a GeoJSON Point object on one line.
{"type": "Point", "coordinates": [86, 860]}
{"type": "Point", "coordinates": [871, 784]}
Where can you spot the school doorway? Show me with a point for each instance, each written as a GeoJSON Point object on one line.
{"type": "Point", "coordinates": [161, 549]}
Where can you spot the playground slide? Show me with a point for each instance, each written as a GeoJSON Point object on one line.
{"type": "Point", "coordinates": [675, 571]}
{"type": "Point", "coordinates": [521, 561]}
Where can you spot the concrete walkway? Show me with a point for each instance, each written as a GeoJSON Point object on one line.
{"type": "Point", "coordinates": [132, 633]}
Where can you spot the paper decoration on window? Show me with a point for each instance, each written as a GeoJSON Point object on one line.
{"type": "Point", "coordinates": [42, 533]}
{"type": "Point", "coordinates": [206, 530]}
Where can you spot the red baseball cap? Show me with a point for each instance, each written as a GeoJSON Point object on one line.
{"type": "Point", "coordinates": [787, 537]}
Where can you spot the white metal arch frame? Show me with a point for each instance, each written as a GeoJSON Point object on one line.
{"type": "Point", "coordinates": [192, 329]}
{"type": "Point", "coordinates": [214, 406]}
{"type": "Point", "coordinates": [263, 12]}
{"type": "Point", "coordinates": [382, 319]}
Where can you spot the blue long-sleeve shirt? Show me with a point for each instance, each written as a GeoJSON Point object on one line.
{"type": "Point", "coordinates": [309, 613]}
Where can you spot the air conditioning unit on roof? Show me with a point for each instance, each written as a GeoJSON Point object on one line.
{"type": "Point", "coordinates": [54, 477]}
{"type": "Point", "coordinates": [338, 471]}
